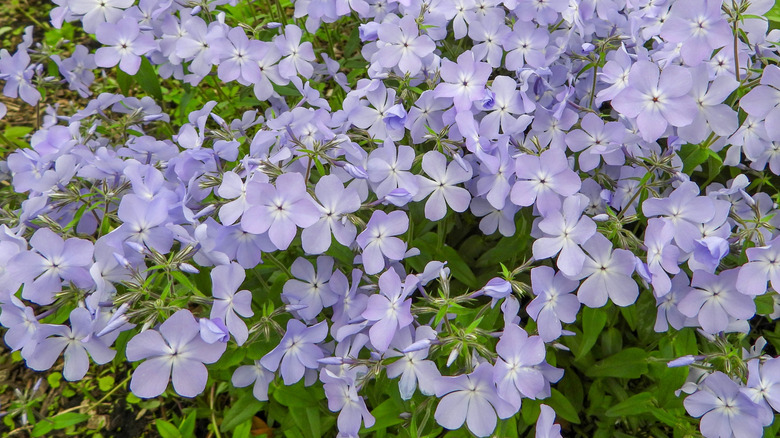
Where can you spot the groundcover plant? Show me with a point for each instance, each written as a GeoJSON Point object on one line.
{"type": "Point", "coordinates": [392, 218]}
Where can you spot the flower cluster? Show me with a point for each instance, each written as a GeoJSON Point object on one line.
{"type": "Point", "coordinates": [624, 152]}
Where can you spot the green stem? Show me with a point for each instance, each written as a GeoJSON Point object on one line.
{"type": "Point", "coordinates": [331, 46]}
{"type": "Point", "coordinates": [282, 15]}
{"type": "Point", "coordinates": [277, 263]}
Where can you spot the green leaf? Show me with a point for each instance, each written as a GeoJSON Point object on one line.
{"type": "Point", "coordinates": [593, 322]}
{"type": "Point", "coordinates": [58, 422]}
{"type": "Point", "coordinates": [54, 379]}
{"type": "Point", "coordinates": [184, 281]}
{"type": "Point", "coordinates": [166, 429]}
{"type": "Point", "coordinates": [765, 304]}
{"type": "Point", "coordinates": [243, 409]}
{"type": "Point", "coordinates": [287, 90]}
{"type": "Point", "coordinates": [386, 415]}
{"type": "Point", "coordinates": [692, 155]}
{"type": "Point", "coordinates": [309, 424]}
{"type": "Point", "coordinates": [460, 270]}
{"type": "Point", "coordinates": [187, 426]}
{"type": "Point", "coordinates": [630, 315]}
{"type": "Point", "coordinates": [634, 405]}
{"type": "Point", "coordinates": [296, 396]}
{"type": "Point", "coordinates": [42, 428]}
{"type": "Point", "coordinates": [124, 80]}
{"type": "Point", "coordinates": [106, 383]}
{"type": "Point", "coordinates": [774, 13]}
{"type": "Point", "coordinates": [630, 363]}
{"type": "Point", "coordinates": [243, 430]}
{"type": "Point", "coordinates": [665, 417]}
{"type": "Point", "coordinates": [563, 407]}
{"type": "Point", "coordinates": [148, 79]}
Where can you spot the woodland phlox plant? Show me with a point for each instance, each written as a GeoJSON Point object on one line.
{"type": "Point", "coordinates": [404, 216]}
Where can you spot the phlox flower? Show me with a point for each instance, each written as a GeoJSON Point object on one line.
{"type": "Point", "coordinates": [173, 352]}
{"type": "Point", "coordinates": [390, 309]}
{"type": "Point", "coordinates": [378, 240]}
{"type": "Point", "coordinates": [279, 209]}
{"type": "Point", "coordinates": [335, 202]}
{"type": "Point", "coordinates": [516, 373]}
{"type": "Point", "coordinates": [554, 302]}
{"type": "Point", "coordinates": [471, 398]}
{"type": "Point", "coordinates": [413, 367]}
{"type": "Point", "coordinates": [310, 288]}
{"type": "Point", "coordinates": [564, 232]}
{"type": "Point", "coordinates": [442, 186]}
{"type": "Point", "coordinates": [725, 411]}
{"type": "Point", "coordinates": [76, 341]}
{"type": "Point", "coordinates": [229, 302]}
{"type": "Point", "coordinates": [125, 44]}
{"type": "Point", "coordinates": [403, 46]}
{"type": "Point", "coordinates": [714, 299]}
{"type": "Point", "coordinates": [297, 351]}
{"type": "Point", "coordinates": [464, 81]}
{"type": "Point", "coordinates": [657, 98]}
{"type": "Point", "coordinates": [763, 265]}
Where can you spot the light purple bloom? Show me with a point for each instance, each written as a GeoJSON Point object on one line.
{"type": "Point", "coordinates": [441, 186]}
{"type": "Point", "coordinates": [229, 304]}
{"type": "Point", "coordinates": [607, 274]}
{"type": "Point", "coordinates": [714, 115]}
{"type": "Point", "coordinates": [378, 239]}
{"type": "Point", "coordinates": [341, 392]}
{"type": "Point", "coordinates": [76, 340]}
{"type": "Point", "coordinates": [563, 232]}
{"type": "Point", "coordinates": [554, 301]}
{"type": "Point", "coordinates": [335, 202]}
{"type": "Point", "coordinates": [297, 56]}
{"type": "Point", "coordinates": [464, 81]}
{"type": "Point", "coordinates": [763, 384]}
{"type": "Point", "coordinates": [516, 371]}
{"type": "Point", "coordinates": [596, 141]}
{"type": "Point", "coordinates": [545, 428]}
{"type": "Point", "coordinates": [297, 351]}
{"type": "Point", "coordinates": [683, 209]}
{"type": "Point", "coordinates": [471, 398]}
{"type": "Point", "coordinates": [175, 352]}
{"type": "Point", "coordinates": [488, 37]}
{"type": "Point", "coordinates": [53, 260]}
{"type": "Point", "coordinates": [403, 46]}
{"type": "Point", "coordinates": [714, 299]}
{"type": "Point", "coordinates": [541, 180]}
{"type": "Point", "coordinates": [700, 26]}
{"type": "Point", "coordinates": [310, 288]}
{"type": "Point", "coordinates": [763, 265]}
{"type": "Point", "coordinates": [17, 73]}
{"type": "Point", "coordinates": [374, 118]}
{"type": "Point", "coordinates": [22, 325]}
{"type": "Point", "coordinates": [724, 410]}
{"type": "Point", "coordinates": [238, 57]}
{"type": "Point", "coordinates": [657, 99]}
{"type": "Point", "coordinates": [245, 375]}
{"type": "Point", "coordinates": [667, 313]}
{"type": "Point", "coordinates": [144, 222]}
{"type": "Point", "coordinates": [279, 209]}
{"type": "Point", "coordinates": [96, 12]}
{"type": "Point", "coordinates": [213, 330]}
{"type": "Point", "coordinates": [125, 45]}
{"type": "Point", "coordinates": [388, 168]}
{"type": "Point", "coordinates": [413, 367]}
{"type": "Point", "coordinates": [661, 254]}
{"type": "Point", "coordinates": [390, 309]}
{"type": "Point", "coordinates": [526, 45]}
{"type": "Point", "coordinates": [505, 105]}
